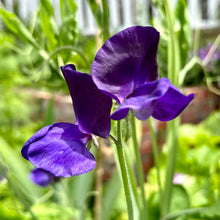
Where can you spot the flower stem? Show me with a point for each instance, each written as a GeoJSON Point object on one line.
{"type": "Point", "coordinates": [156, 158]}
{"type": "Point", "coordinates": [139, 167]}
{"type": "Point", "coordinates": [174, 60]}
{"type": "Point", "coordinates": [173, 48]}
{"type": "Point", "coordinates": [171, 162]}
{"type": "Point", "coordinates": [98, 186]}
{"type": "Point", "coordinates": [124, 171]}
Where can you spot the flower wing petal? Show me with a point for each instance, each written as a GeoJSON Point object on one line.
{"type": "Point", "coordinates": [60, 151]}
{"type": "Point", "coordinates": [171, 104]}
{"type": "Point", "coordinates": [91, 106]}
{"type": "Point", "coordinates": [126, 61]}
{"type": "Point", "coordinates": [143, 100]}
{"type": "Point", "coordinates": [41, 177]}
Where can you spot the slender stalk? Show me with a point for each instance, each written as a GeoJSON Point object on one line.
{"type": "Point", "coordinates": [98, 184]}
{"type": "Point", "coordinates": [130, 173]}
{"type": "Point", "coordinates": [156, 158]}
{"type": "Point", "coordinates": [173, 73]}
{"type": "Point", "coordinates": [124, 172]}
{"type": "Point", "coordinates": [173, 48]}
{"type": "Point", "coordinates": [139, 167]}
{"type": "Point", "coordinates": [133, 183]}
{"type": "Point", "coordinates": [171, 161]}
{"type": "Point", "coordinates": [66, 47]}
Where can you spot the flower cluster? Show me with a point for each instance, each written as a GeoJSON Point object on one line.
{"type": "Point", "coordinates": [124, 69]}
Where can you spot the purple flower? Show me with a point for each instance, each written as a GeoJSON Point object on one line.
{"type": "Point", "coordinates": [204, 51]}
{"type": "Point", "coordinates": [92, 107]}
{"type": "Point", "coordinates": [42, 177]}
{"type": "Point", "coordinates": [59, 150]}
{"type": "Point", "coordinates": [125, 68]}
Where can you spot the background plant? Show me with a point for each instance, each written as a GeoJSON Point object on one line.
{"type": "Point", "coordinates": [37, 49]}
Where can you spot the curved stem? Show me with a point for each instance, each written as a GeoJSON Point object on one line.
{"type": "Point", "coordinates": [66, 47]}
{"type": "Point", "coordinates": [124, 171]}
{"type": "Point", "coordinates": [139, 166]}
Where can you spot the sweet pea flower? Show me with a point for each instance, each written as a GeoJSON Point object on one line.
{"type": "Point", "coordinates": [42, 177]}
{"type": "Point", "coordinates": [125, 69]}
{"type": "Point", "coordinates": [59, 150]}
{"type": "Point", "coordinates": [92, 107]}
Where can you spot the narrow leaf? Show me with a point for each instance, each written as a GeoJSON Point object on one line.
{"type": "Point", "coordinates": [17, 27]}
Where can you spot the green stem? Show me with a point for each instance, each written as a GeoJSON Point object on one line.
{"type": "Point", "coordinates": [130, 173]}
{"type": "Point", "coordinates": [139, 166]}
{"type": "Point", "coordinates": [171, 162]}
{"type": "Point", "coordinates": [133, 182]}
{"type": "Point", "coordinates": [173, 73]}
{"type": "Point", "coordinates": [124, 171]}
{"type": "Point", "coordinates": [66, 47]}
{"type": "Point", "coordinates": [105, 17]}
{"type": "Point", "coordinates": [173, 48]}
{"type": "Point", "coordinates": [156, 158]}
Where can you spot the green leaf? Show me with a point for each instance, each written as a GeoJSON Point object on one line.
{"type": "Point", "coordinates": [110, 196]}
{"type": "Point", "coordinates": [180, 200]}
{"type": "Point", "coordinates": [67, 8]}
{"type": "Point", "coordinates": [67, 31]}
{"type": "Point", "coordinates": [47, 23]}
{"type": "Point", "coordinates": [184, 30]}
{"type": "Point", "coordinates": [212, 123]}
{"type": "Point", "coordinates": [97, 12]}
{"type": "Point", "coordinates": [18, 172]}
{"type": "Point", "coordinates": [50, 211]}
{"type": "Point", "coordinates": [106, 16]}
{"type": "Point", "coordinates": [80, 190]}
{"type": "Point", "coordinates": [212, 212]}
{"type": "Point", "coordinates": [154, 206]}
{"type": "Point", "coordinates": [17, 27]}
{"type": "Point", "coordinates": [8, 210]}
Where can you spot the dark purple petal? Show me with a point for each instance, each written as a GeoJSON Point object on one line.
{"type": "Point", "coordinates": [41, 177]}
{"type": "Point", "coordinates": [38, 135]}
{"type": "Point", "coordinates": [91, 106]}
{"type": "Point", "coordinates": [126, 61]}
{"type": "Point", "coordinates": [159, 98]}
{"type": "Point", "coordinates": [60, 149]}
{"type": "Point", "coordinates": [171, 104]}
{"type": "Point", "coordinates": [143, 100]}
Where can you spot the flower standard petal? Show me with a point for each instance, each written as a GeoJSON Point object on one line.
{"type": "Point", "coordinates": [60, 150]}
{"type": "Point", "coordinates": [41, 177]}
{"type": "Point", "coordinates": [91, 106]}
{"type": "Point", "coordinates": [126, 61]}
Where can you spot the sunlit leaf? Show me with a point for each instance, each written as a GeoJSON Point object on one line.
{"type": "Point", "coordinates": [47, 22]}
{"type": "Point", "coordinates": [17, 27]}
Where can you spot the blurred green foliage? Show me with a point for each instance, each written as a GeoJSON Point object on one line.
{"type": "Point", "coordinates": [198, 162]}
{"type": "Point", "coordinates": [43, 45]}
{"type": "Point", "coordinates": [32, 53]}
